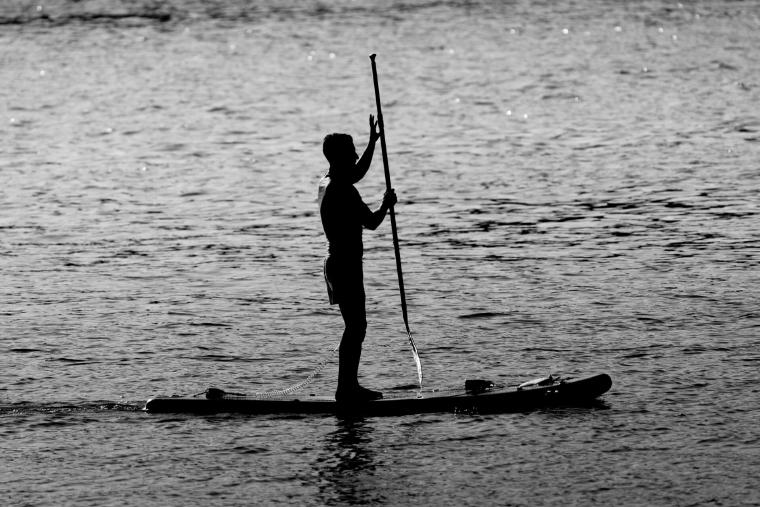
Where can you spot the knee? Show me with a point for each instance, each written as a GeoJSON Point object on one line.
{"type": "Point", "coordinates": [357, 329]}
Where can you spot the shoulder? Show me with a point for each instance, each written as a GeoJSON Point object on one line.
{"type": "Point", "coordinates": [323, 184]}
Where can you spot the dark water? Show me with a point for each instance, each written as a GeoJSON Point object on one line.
{"type": "Point", "coordinates": [578, 189]}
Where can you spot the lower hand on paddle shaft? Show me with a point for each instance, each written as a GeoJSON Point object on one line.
{"type": "Point", "coordinates": [389, 199]}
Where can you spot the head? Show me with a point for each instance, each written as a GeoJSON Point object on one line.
{"type": "Point", "coordinates": [340, 152]}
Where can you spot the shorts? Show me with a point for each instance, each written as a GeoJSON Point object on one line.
{"type": "Point", "coordinates": [344, 280]}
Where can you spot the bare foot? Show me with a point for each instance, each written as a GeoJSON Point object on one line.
{"type": "Point", "coordinates": [357, 393]}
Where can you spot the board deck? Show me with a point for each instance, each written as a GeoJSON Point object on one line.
{"type": "Point", "coordinates": [554, 393]}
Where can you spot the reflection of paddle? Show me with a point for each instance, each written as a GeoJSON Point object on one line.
{"type": "Point", "coordinates": [393, 221]}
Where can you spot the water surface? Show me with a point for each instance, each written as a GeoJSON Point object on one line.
{"type": "Point", "coordinates": [578, 190]}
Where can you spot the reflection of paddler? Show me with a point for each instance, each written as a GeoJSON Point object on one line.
{"type": "Point", "coordinates": [344, 214]}
{"type": "Point", "coordinates": [347, 466]}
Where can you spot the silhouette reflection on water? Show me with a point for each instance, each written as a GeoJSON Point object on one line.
{"type": "Point", "coordinates": [347, 465]}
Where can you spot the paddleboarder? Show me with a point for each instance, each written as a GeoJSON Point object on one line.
{"type": "Point", "coordinates": [344, 214]}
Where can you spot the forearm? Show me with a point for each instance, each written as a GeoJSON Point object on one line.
{"type": "Point", "coordinates": [377, 217]}
{"type": "Point", "coordinates": [362, 166]}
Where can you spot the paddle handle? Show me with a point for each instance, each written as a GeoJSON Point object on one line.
{"type": "Point", "coordinates": [394, 230]}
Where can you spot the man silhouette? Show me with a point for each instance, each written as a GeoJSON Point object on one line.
{"type": "Point", "coordinates": [344, 214]}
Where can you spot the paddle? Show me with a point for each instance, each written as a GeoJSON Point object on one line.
{"type": "Point", "coordinates": [396, 249]}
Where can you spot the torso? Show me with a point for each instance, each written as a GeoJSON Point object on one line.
{"type": "Point", "coordinates": [343, 212]}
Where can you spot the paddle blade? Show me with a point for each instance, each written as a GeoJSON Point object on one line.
{"type": "Point", "coordinates": [416, 356]}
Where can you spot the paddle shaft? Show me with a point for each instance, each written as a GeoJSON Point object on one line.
{"type": "Point", "coordinates": [396, 249]}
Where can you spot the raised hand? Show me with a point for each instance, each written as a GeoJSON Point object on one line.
{"type": "Point", "coordinates": [374, 135]}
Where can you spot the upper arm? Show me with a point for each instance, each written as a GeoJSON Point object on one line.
{"type": "Point", "coordinates": [364, 214]}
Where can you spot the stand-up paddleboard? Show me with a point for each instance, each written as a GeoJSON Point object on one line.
{"type": "Point", "coordinates": [478, 396]}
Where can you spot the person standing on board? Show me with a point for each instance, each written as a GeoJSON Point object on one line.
{"type": "Point", "coordinates": [344, 215]}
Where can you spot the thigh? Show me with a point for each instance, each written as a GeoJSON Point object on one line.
{"type": "Point", "coordinates": [353, 310]}
{"type": "Point", "coordinates": [346, 281]}
{"type": "Point", "coordinates": [354, 314]}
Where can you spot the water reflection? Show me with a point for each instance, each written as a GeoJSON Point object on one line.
{"type": "Point", "coordinates": [347, 464]}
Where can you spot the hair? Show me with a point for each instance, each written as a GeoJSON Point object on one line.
{"type": "Point", "coordinates": [333, 144]}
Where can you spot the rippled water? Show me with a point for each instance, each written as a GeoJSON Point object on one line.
{"type": "Point", "coordinates": [578, 189]}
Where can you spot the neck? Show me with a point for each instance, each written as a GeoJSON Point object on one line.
{"type": "Point", "coordinates": [337, 175]}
